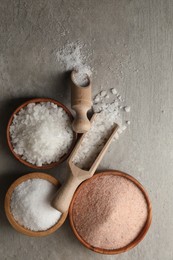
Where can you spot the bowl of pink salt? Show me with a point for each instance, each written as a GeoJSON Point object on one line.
{"type": "Point", "coordinates": [110, 213]}
{"type": "Point", "coordinates": [40, 134]}
{"type": "Point", "coordinates": [28, 205]}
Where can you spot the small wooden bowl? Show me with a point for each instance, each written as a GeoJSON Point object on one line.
{"type": "Point", "coordinates": [18, 157]}
{"type": "Point", "coordinates": [141, 234]}
{"type": "Point", "coordinates": [14, 223]}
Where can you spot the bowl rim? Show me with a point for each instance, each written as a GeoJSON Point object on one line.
{"type": "Point", "coordinates": [143, 231]}
{"type": "Point", "coordinates": [18, 157]}
{"type": "Point", "coordinates": [7, 201]}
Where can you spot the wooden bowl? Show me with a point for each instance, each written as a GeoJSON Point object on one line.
{"type": "Point", "coordinates": [14, 223]}
{"type": "Point", "coordinates": [18, 157]}
{"type": "Point", "coordinates": [140, 236]}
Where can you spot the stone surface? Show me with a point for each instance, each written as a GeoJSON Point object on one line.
{"type": "Point", "coordinates": [132, 44]}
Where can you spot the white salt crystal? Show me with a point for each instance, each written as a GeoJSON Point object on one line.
{"type": "Point", "coordinates": [114, 91]}
{"type": "Point", "coordinates": [127, 109]}
{"type": "Point", "coordinates": [96, 99]}
{"type": "Point", "coordinates": [30, 205]}
{"type": "Point", "coordinates": [128, 122]}
{"type": "Point", "coordinates": [103, 93]}
{"type": "Point", "coordinates": [123, 127]}
{"type": "Point", "coordinates": [119, 97]}
{"type": "Point", "coordinates": [41, 133]}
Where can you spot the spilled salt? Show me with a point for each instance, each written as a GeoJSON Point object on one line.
{"type": "Point", "coordinates": [74, 56]}
{"type": "Point", "coordinates": [41, 133]}
{"type": "Point", "coordinates": [108, 114]}
{"type": "Point", "coordinates": [30, 205]}
{"type": "Point", "coordinates": [81, 79]}
{"type": "Point", "coordinates": [109, 212]}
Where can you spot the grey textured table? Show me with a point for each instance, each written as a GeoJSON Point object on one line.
{"type": "Point", "coordinates": [132, 44]}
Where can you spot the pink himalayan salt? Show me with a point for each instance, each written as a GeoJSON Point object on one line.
{"type": "Point", "coordinates": [109, 212]}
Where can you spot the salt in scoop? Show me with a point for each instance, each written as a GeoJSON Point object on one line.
{"type": "Point", "coordinates": [77, 175]}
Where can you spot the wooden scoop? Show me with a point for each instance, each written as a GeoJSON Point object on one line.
{"type": "Point", "coordinates": [81, 102]}
{"type": "Point", "coordinates": [64, 195]}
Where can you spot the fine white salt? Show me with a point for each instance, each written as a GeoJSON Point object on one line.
{"type": "Point", "coordinates": [103, 93]}
{"type": "Point", "coordinates": [30, 205]}
{"type": "Point", "coordinates": [74, 56]}
{"type": "Point", "coordinates": [41, 133]}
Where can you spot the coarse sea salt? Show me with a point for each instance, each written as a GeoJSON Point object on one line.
{"type": "Point", "coordinates": [81, 79]}
{"type": "Point", "coordinates": [41, 133]}
{"type": "Point", "coordinates": [31, 205]}
{"type": "Point", "coordinates": [108, 114]}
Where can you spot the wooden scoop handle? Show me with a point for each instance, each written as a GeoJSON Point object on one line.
{"type": "Point", "coordinates": [81, 102]}
{"type": "Point", "coordinates": [81, 124]}
{"type": "Point", "coordinates": [64, 195]}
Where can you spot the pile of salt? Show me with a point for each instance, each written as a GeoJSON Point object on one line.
{"type": "Point", "coordinates": [30, 205]}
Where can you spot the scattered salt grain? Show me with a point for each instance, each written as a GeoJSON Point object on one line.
{"type": "Point", "coordinates": [114, 91]}
{"type": "Point", "coordinates": [127, 109]}
{"type": "Point", "coordinates": [109, 212]}
{"type": "Point", "coordinates": [128, 122]}
{"type": "Point", "coordinates": [30, 205]}
{"type": "Point", "coordinates": [96, 99]}
{"type": "Point", "coordinates": [119, 97]}
{"type": "Point", "coordinates": [41, 133]}
{"type": "Point", "coordinates": [103, 93]}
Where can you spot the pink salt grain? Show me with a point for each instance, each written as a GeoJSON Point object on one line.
{"type": "Point", "coordinates": [109, 212]}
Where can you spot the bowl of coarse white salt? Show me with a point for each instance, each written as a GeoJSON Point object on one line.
{"type": "Point", "coordinates": [28, 205]}
{"type": "Point", "coordinates": [39, 133]}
